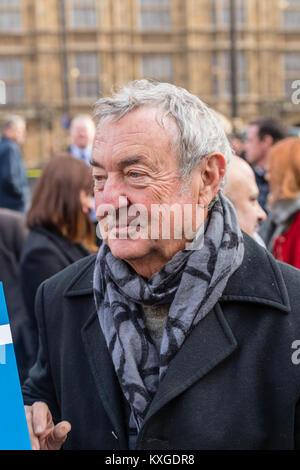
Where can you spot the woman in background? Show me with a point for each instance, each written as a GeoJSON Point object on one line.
{"type": "Point", "coordinates": [281, 231]}
{"type": "Point", "coordinates": [61, 231]}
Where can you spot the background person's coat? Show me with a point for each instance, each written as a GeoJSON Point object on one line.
{"type": "Point", "coordinates": [232, 385]}
{"type": "Point", "coordinates": [14, 189]}
{"type": "Point", "coordinates": [45, 253]}
{"type": "Point", "coordinates": [13, 234]}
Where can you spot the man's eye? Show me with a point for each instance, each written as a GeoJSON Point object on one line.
{"type": "Point", "coordinates": [98, 178]}
{"type": "Point", "coordinates": [134, 174]}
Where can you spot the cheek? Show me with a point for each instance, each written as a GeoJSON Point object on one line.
{"type": "Point", "coordinates": [97, 198]}
{"type": "Point", "coordinates": [249, 215]}
{"type": "Point", "coordinates": [164, 191]}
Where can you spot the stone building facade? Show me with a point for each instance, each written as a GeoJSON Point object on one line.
{"type": "Point", "coordinates": [58, 56]}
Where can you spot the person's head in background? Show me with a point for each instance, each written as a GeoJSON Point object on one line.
{"type": "Point", "coordinates": [241, 189]}
{"type": "Point", "coordinates": [261, 135]}
{"type": "Point", "coordinates": [237, 143]}
{"type": "Point", "coordinates": [82, 131]}
{"type": "Point", "coordinates": [284, 170]}
{"type": "Point", "coordinates": [62, 200]}
{"type": "Point", "coordinates": [14, 128]}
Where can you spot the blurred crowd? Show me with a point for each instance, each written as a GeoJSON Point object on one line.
{"type": "Point", "coordinates": [44, 232]}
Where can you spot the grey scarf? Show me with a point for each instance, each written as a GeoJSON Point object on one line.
{"type": "Point", "coordinates": [192, 282]}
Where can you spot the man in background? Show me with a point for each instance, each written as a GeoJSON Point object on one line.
{"type": "Point", "coordinates": [261, 135]}
{"type": "Point", "coordinates": [241, 189]}
{"type": "Point", "coordinates": [82, 132]}
{"type": "Point", "coordinates": [14, 190]}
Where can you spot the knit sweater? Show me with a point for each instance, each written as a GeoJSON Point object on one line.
{"type": "Point", "coordinates": [155, 317]}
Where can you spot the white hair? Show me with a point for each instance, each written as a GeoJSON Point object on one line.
{"type": "Point", "coordinates": [83, 119]}
{"type": "Point", "coordinates": [12, 121]}
{"type": "Point", "coordinates": [200, 131]}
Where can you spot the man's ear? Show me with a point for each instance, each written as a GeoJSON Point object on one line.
{"type": "Point", "coordinates": [212, 170]}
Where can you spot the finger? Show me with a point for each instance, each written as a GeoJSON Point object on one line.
{"type": "Point", "coordinates": [58, 435]}
{"type": "Point", "coordinates": [35, 444]}
{"type": "Point", "coordinates": [41, 417]}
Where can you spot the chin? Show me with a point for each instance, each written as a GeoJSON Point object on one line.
{"type": "Point", "coordinates": [129, 249]}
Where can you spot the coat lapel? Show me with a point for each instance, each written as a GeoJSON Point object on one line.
{"type": "Point", "coordinates": [97, 353]}
{"type": "Point", "coordinates": [104, 375]}
{"type": "Point", "coordinates": [209, 344]}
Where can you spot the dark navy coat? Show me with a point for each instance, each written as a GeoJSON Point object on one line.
{"type": "Point", "coordinates": [14, 190]}
{"type": "Point", "coordinates": [234, 384]}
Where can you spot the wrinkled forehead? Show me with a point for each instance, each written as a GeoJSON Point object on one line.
{"type": "Point", "coordinates": [253, 131]}
{"type": "Point", "coordinates": [145, 121]}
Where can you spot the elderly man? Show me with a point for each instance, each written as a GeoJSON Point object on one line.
{"type": "Point", "coordinates": [241, 189]}
{"type": "Point", "coordinates": [179, 342]}
{"type": "Point", "coordinates": [14, 190]}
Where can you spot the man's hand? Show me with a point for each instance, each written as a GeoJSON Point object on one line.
{"type": "Point", "coordinates": [43, 434]}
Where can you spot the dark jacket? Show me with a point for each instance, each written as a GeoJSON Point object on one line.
{"type": "Point", "coordinates": [263, 187]}
{"type": "Point", "coordinates": [14, 190]}
{"type": "Point", "coordinates": [13, 233]}
{"type": "Point", "coordinates": [232, 385]}
{"type": "Point", "coordinates": [45, 253]}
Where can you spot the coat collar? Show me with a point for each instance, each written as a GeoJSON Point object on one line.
{"type": "Point", "coordinates": [72, 251]}
{"type": "Point", "coordinates": [82, 282]}
{"type": "Point", "coordinates": [258, 280]}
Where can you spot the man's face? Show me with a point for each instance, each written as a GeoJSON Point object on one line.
{"type": "Point", "coordinates": [82, 133]}
{"type": "Point", "coordinates": [133, 160]}
{"type": "Point", "coordinates": [255, 148]}
{"type": "Point", "coordinates": [17, 132]}
{"type": "Point", "coordinates": [249, 212]}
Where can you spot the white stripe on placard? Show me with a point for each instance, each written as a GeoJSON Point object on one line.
{"type": "Point", "coordinates": [5, 335]}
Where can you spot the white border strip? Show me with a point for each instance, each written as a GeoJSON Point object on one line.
{"type": "Point", "coordinates": [5, 335]}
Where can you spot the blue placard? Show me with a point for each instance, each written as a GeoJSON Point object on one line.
{"type": "Point", "coordinates": [14, 433]}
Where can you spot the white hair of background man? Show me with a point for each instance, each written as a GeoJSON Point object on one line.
{"type": "Point", "coordinates": [85, 118]}
{"type": "Point", "coordinates": [200, 131]}
{"type": "Point", "coordinates": [12, 121]}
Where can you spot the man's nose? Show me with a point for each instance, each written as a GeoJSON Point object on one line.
{"type": "Point", "coordinates": [261, 215]}
{"type": "Point", "coordinates": [112, 192]}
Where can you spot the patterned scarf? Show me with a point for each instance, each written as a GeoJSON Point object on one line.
{"type": "Point", "coordinates": [192, 282]}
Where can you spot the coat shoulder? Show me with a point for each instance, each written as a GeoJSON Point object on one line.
{"type": "Point", "coordinates": [35, 245]}
{"type": "Point", "coordinates": [8, 146]}
{"type": "Point", "coordinates": [79, 274]}
{"type": "Point", "coordinates": [291, 278]}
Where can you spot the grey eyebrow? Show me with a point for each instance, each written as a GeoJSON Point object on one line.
{"type": "Point", "coordinates": [130, 161]}
{"type": "Point", "coordinates": [121, 164]}
{"type": "Point", "coordinates": [96, 164]}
